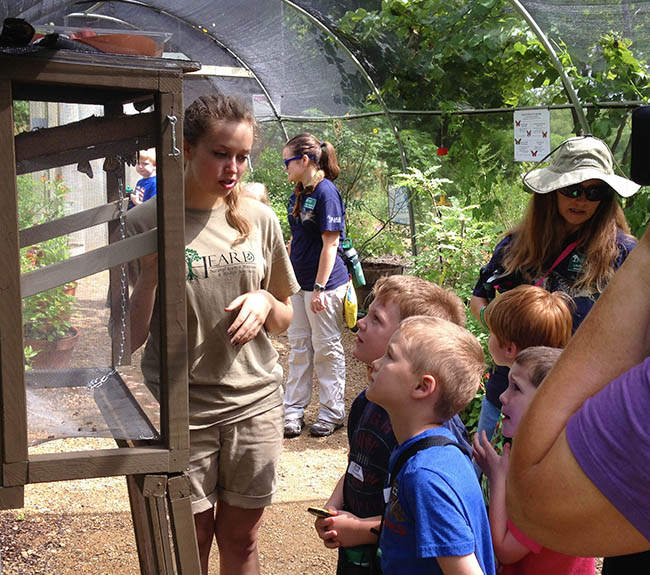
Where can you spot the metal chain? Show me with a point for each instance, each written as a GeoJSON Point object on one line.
{"type": "Point", "coordinates": [99, 381]}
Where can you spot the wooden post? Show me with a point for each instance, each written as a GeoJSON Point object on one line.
{"type": "Point", "coordinates": [171, 224]}
{"type": "Point", "coordinates": [154, 491]}
{"type": "Point", "coordinates": [142, 528]}
{"type": "Point", "coordinates": [182, 524]}
{"type": "Point", "coordinates": [13, 402]}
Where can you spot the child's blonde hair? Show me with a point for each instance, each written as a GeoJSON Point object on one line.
{"type": "Point", "coordinates": [149, 154]}
{"type": "Point", "coordinates": [448, 352]}
{"type": "Point", "coordinates": [256, 191]}
{"type": "Point", "coordinates": [415, 296]}
{"type": "Point", "coordinates": [530, 316]}
{"type": "Point", "coordinates": [538, 361]}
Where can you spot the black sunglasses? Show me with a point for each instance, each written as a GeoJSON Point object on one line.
{"type": "Point", "coordinates": [595, 193]}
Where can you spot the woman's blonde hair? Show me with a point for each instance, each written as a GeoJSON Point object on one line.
{"type": "Point", "coordinates": [199, 116]}
{"type": "Point", "coordinates": [539, 238]}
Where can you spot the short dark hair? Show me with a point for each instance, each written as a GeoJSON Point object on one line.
{"type": "Point", "coordinates": [538, 360]}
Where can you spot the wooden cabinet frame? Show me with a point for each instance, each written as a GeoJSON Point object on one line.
{"type": "Point", "coordinates": [156, 471]}
{"type": "Point", "coordinates": [111, 81]}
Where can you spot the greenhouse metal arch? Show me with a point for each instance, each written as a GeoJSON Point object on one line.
{"type": "Point", "coordinates": [290, 57]}
{"type": "Point", "coordinates": [252, 34]}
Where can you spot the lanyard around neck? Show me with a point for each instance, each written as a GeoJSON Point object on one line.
{"type": "Point", "coordinates": [565, 252]}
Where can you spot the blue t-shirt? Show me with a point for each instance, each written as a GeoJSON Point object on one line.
{"type": "Point", "coordinates": [436, 510]}
{"type": "Point", "coordinates": [321, 211]}
{"type": "Point", "coordinates": [147, 186]}
{"type": "Point", "coordinates": [372, 441]}
{"type": "Point", "coordinates": [562, 278]}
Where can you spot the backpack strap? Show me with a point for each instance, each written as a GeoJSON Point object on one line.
{"type": "Point", "coordinates": [424, 443]}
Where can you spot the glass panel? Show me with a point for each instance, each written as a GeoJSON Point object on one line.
{"type": "Point", "coordinates": [71, 342]}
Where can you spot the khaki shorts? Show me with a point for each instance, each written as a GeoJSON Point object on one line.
{"type": "Point", "coordinates": [236, 463]}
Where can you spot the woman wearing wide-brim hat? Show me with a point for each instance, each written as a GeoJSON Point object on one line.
{"type": "Point", "coordinates": [572, 238]}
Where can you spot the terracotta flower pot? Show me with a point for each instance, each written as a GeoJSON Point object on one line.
{"type": "Point", "coordinates": [372, 272]}
{"type": "Point", "coordinates": [70, 288]}
{"type": "Point", "coordinates": [53, 354]}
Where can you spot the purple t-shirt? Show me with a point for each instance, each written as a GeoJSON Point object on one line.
{"type": "Point", "coordinates": [610, 439]}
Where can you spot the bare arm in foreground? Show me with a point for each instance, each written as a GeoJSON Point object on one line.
{"type": "Point", "coordinates": [549, 496]}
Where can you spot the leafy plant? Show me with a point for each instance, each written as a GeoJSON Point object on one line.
{"type": "Point", "coordinates": [30, 354]}
{"type": "Point", "coordinates": [470, 415]}
{"type": "Point", "coordinates": [46, 315]}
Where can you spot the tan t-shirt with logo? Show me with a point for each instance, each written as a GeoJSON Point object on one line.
{"type": "Point", "coordinates": [226, 383]}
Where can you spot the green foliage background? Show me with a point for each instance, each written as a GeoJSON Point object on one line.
{"type": "Point", "coordinates": [449, 56]}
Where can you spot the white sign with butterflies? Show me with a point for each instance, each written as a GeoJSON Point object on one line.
{"type": "Point", "coordinates": [532, 139]}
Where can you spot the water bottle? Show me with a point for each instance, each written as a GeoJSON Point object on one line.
{"type": "Point", "coordinates": [354, 264]}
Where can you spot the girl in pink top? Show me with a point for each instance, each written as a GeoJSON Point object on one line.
{"type": "Point", "coordinates": [518, 554]}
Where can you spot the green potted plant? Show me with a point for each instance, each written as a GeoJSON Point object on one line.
{"type": "Point", "coordinates": [46, 315]}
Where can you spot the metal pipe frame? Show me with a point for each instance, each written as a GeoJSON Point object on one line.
{"type": "Point", "coordinates": [379, 97]}
{"type": "Point", "coordinates": [204, 31]}
{"type": "Point", "coordinates": [568, 86]}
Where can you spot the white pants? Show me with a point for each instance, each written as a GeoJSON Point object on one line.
{"type": "Point", "coordinates": [315, 342]}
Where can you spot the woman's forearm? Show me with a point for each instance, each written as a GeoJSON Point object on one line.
{"type": "Point", "coordinates": [475, 304]}
{"type": "Point", "coordinates": [327, 257]}
{"type": "Point", "coordinates": [141, 304]}
{"type": "Point", "coordinates": [280, 315]}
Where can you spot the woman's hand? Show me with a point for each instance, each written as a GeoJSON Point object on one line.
{"type": "Point", "coordinates": [317, 302]}
{"type": "Point", "coordinates": [255, 308]}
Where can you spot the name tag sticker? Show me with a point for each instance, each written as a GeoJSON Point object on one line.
{"type": "Point", "coordinates": [310, 203]}
{"type": "Point", "coordinates": [355, 470]}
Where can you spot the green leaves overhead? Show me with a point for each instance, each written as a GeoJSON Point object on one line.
{"type": "Point", "coordinates": [455, 52]}
{"type": "Point", "coordinates": [481, 54]}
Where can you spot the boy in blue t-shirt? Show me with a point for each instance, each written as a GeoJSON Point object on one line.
{"type": "Point", "coordinates": [145, 188]}
{"type": "Point", "coordinates": [357, 500]}
{"type": "Point", "coordinates": [435, 520]}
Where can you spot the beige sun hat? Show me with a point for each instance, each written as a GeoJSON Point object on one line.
{"type": "Point", "coordinates": [577, 160]}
